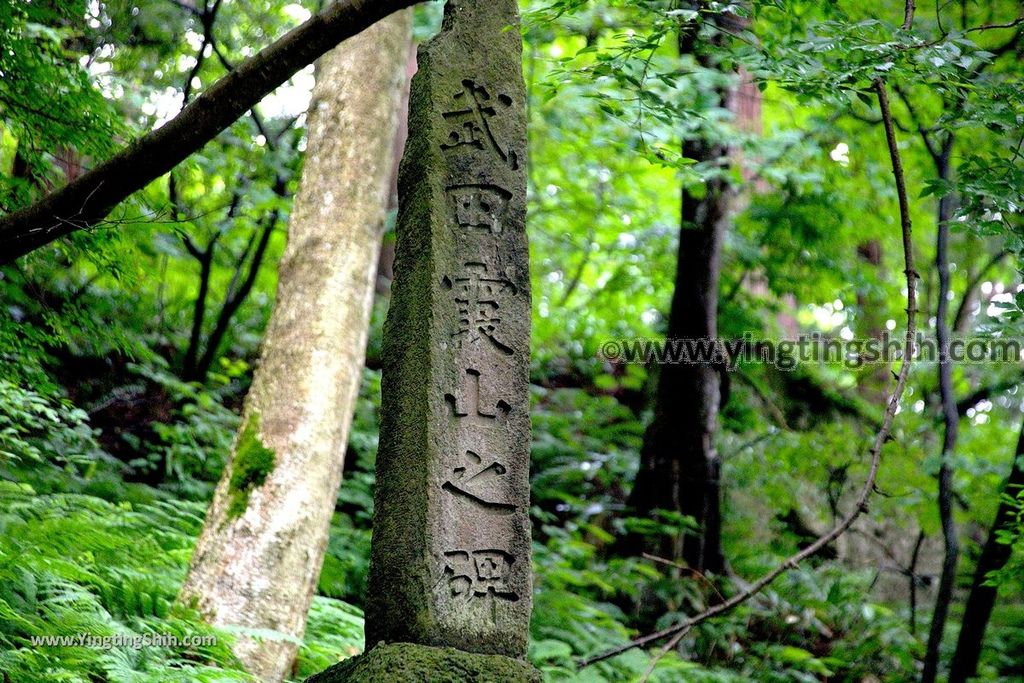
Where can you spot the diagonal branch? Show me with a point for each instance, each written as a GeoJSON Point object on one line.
{"type": "Point", "coordinates": [925, 133]}
{"type": "Point", "coordinates": [85, 202]}
{"type": "Point", "coordinates": [963, 313]}
{"type": "Point", "coordinates": [234, 298]}
{"type": "Point", "coordinates": [988, 27]}
{"type": "Point", "coordinates": [986, 392]}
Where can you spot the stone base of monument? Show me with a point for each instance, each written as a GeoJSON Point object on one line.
{"type": "Point", "coordinates": [408, 663]}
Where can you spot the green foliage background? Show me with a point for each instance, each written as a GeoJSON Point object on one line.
{"type": "Point", "coordinates": [110, 447]}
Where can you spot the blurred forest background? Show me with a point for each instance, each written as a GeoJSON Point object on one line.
{"type": "Point", "coordinates": [686, 159]}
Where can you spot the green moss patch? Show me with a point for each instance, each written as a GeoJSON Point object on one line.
{"type": "Point", "coordinates": [409, 663]}
{"type": "Point", "coordinates": [252, 463]}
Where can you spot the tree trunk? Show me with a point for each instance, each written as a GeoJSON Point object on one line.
{"type": "Point", "coordinates": [951, 421]}
{"type": "Point", "coordinates": [258, 559]}
{"type": "Point", "coordinates": [982, 598]}
{"type": "Point", "coordinates": [679, 466]}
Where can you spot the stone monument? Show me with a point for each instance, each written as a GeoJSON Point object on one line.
{"type": "Point", "coordinates": [450, 568]}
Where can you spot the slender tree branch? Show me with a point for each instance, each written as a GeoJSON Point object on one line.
{"type": "Point", "coordinates": [776, 412]}
{"type": "Point", "coordinates": [913, 578]}
{"type": "Point", "coordinates": [240, 263]}
{"type": "Point", "coordinates": [865, 118]}
{"type": "Point", "coordinates": [951, 422]}
{"type": "Point", "coordinates": [208, 18]}
{"type": "Point", "coordinates": [881, 437]}
{"type": "Point", "coordinates": [588, 249]}
{"type": "Point", "coordinates": [1000, 50]}
{"type": "Point", "coordinates": [938, 17]}
{"type": "Point", "coordinates": [925, 133]}
{"type": "Point", "coordinates": [84, 202]}
{"type": "Point", "coordinates": [669, 646]}
{"type": "Point", "coordinates": [985, 393]}
{"type": "Point", "coordinates": [205, 258]}
{"type": "Point", "coordinates": [253, 113]}
{"type": "Point", "coordinates": [190, 245]}
{"type": "Point", "coordinates": [234, 300]}
{"type": "Point", "coordinates": [988, 27]}
{"type": "Point", "coordinates": [963, 310]}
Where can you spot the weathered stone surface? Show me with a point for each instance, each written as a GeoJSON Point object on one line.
{"type": "Point", "coordinates": [450, 563]}
{"type": "Point", "coordinates": [407, 663]}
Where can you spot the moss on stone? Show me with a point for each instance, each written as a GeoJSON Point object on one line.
{"type": "Point", "coordinates": [252, 463]}
{"type": "Point", "coordinates": [408, 663]}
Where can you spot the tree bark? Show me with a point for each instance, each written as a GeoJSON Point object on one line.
{"type": "Point", "coordinates": [982, 597]}
{"type": "Point", "coordinates": [679, 466]}
{"type": "Point", "coordinates": [951, 421]}
{"type": "Point", "coordinates": [258, 559]}
{"type": "Point", "coordinates": [87, 200]}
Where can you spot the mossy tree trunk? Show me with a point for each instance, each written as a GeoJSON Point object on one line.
{"type": "Point", "coordinates": [259, 557]}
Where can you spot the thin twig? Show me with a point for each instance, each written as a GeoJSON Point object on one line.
{"type": "Point", "coordinates": [669, 646]}
{"type": "Point", "coordinates": [962, 312]}
{"type": "Point", "coordinates": [988, 27]}
{"type": "Point", "coordinates": [689, 570]}
{"type": "Point", "coordinates": [880, 439]}
{"type": "Point", "coordinates": [934, 152]}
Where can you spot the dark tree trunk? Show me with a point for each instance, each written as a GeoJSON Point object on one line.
{"type": "Point", "coordinates": [951, 420]}
{"type": "Point", "coordinates": [205, 259]}
{"type": "Point", "coordinates": [236, 297]}
{"type": "Point", "coordinates": [982, 598]}
{"type": "Point", "coordinates": [679, 466]}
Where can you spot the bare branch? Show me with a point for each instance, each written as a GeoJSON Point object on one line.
{"type": "Point", "coordinates": [987, 392]}
{"type": "Point", "coordinates": [234, 299]}
{"type": "Point", "coordinates": [208, 17]}
{"type": "Point", "coordinates": [963, 313]}
{"type": "Point", "coordinates": [924, 132]}
{"type": "Point", "coordinates": [988, 27]}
